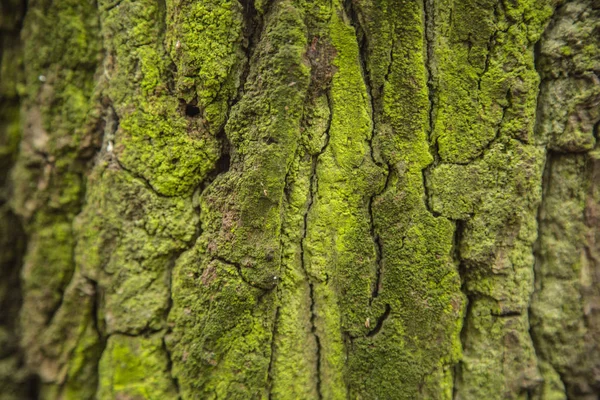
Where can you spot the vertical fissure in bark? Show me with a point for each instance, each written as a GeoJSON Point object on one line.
{"type": "Point", "coordinates": [378, 253]}
{"type": "Point", "coordinates": [363, 55]}
{"type": "Point", "coordinates": [351, 15]}
{"type": "Point", "coordinates": [463, 341]}
{"type": "Point", "coordinates": [538, 261]}
{"type": "Point", "coordinates": [428, 36]}
{"type": "Point", "coordinates": [253, 26]}
{"type": "Point", "coordinates": [272, 355]}
{"type": "Point", "coordinates": [363, 51]}
{"type": "Point", "coordinates": [174, 379]}
{"type": "Point", "coordinates": [380, 321]}
{"type": "Point", "coordinates": [462, 273]}
{"type": "Point", "coordinates": [170, 269]}
{"type": "Point", "coordinates": [591, 219]}
{"type": "Point", "coordinates": [100, 331]}
{"type": "Point", "coordinates": [312, 192]}
{"type": "Point", "coordinates": [313, 322]}
{"type": "Point", "coordinates": [162, 34]}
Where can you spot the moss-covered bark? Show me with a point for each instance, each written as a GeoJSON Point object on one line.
{"type": "Point", "coordinates": [299, 199]}
{"type": "Point", "coordinates": [14, 379]}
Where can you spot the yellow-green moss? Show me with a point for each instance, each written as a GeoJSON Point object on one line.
{"type": "Point", "coordinates": [418, 343]}
{"type": "Point", "coordinates": [155, 140]}
{"type": "Point", "coordinates": [204, 41]}
{"type": "Point", "coordinates": [59, 115]}
{"type": "Point", "coordinates": [135, 367]}
{"type": "Point", "coordinates": [224, 305]}
{"type": "Point", "coordinates": [127, 237]}
{"type": "Point", "coordinates": [285, 193]}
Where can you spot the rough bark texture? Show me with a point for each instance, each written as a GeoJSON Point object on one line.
{"type": "Point", "coordinates": [363, 199]}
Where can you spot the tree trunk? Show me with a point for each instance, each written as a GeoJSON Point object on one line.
{"type": "Point", "coordinates": [293, 199]}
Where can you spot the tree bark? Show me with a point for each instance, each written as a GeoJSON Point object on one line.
{"type": "Point", "coordinates": [363, 199]}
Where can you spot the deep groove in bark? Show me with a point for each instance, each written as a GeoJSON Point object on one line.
{"type": "Point", "coordinates": [378, 254]}
{"type": "Point", "coordinates": [428, 37]}
{"type": "Point", "coordinates": [312, 191]}
{"type": "Point", "coordinates": [162, 31]}
{"type": "Point", "coordinates": [545, 184]}
{"type": "Point", "coordinates": [272, 357]}
{"type": "Point", "coordinates": [363, 44]}
{"type": "Point", "coordinates": [313, 317]}
{"type": "Point", "coordinates": [462, 273]}
{"type": "Point", "coordinates": [102, 337]}
{"type": "Point", "coordinates": [253, 27]}
{"type": "Point", "coordinates": [170, 367]}
{"type": "Point", "coordinates": [380, 321]}
{"type": "Point", "coordinates": [170, 268]}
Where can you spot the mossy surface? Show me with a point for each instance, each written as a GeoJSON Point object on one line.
{"type": "Point", "coordinates": [415, 296]}
{"type": "Point", "coordinates": [14, 379]}
{"type": "Point", "coordinates": [223, 298]}
{"type": "Point", "coordinates": [562, 316]}
{"type": "Point", "coordinates": [303, 199]}
{"type": "Point", "coordinates": [156, 140]}
{"type": "Point", "coordinates": [135, 367]}
{"type": "Point", "coordinates": [59, 121]}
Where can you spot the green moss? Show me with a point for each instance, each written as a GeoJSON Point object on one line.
{"type": "Point", "coordinates": [223, 306]}
{"type": "Point", "coordinates": [305, 241]}
{"type": "Point", "coordinates": [155, 139]}
{"type": "Point", "coordinates": [412, 354]}
{"type": "Point", "coordinates": [562, 276]}
{"type": "Point", "coordinates": [58, 137]}
{"type": "Point", "coordinates": [135, 367]}
{"type": "Point", "coordinates": [226, 327]}
{"type": "Point", "coordinates": [485, 78]}
{"type": "Point", "coordinates": [205, 43]}
{"type": "Point", "coordinates": [489, 177]}
{"type": "Point", "coordinates": [127, 236]}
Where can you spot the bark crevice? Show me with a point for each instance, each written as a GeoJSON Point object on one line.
{"type": "Point", "coordinates": [312, 192]}
{"type": "Point", "coordinates": [363, 47]}
{"type": "Point", "coordinates": [380, 321]}
{"type": "Point", "coordinates": [272, 356]}
{"type": "Point", "coordinates": [429, 37]}
{"type": "Point", "coordinates": [238, 267]}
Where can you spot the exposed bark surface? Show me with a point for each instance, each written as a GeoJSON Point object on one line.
{"type": "Point", "coordinates": [300, 199]}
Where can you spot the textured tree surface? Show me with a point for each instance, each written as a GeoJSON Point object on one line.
{"type": "Point", "coordinates": [299, 199]}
